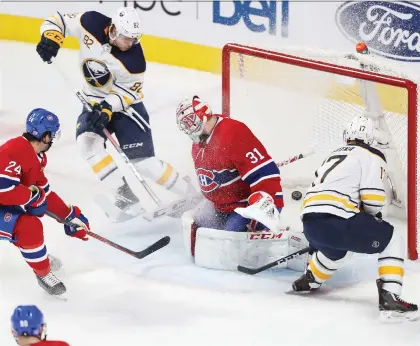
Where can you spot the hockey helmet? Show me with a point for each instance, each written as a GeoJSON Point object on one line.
{"type": "Point", "coordinates": [360, 128]}
{"type": "Point", "coordinates": [191, 116]}
{"type": "Point", "coordinates": [40, 121]}
{"type": "Point", "coordinates": [127, 23]}
{"type": "Point", "coordinates": [28, 320]}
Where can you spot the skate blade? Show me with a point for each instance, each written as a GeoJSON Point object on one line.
{"type": "Point", "coordinates": [398, 317]}
{"type": "Point", "coordinates": [62, 297]}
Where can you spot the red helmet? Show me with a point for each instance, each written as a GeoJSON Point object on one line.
{"type": "Point", "coordinates": [191, 116]}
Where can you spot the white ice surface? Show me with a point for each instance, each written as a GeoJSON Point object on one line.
{"type": "Point", "coordinates": [164, 299]}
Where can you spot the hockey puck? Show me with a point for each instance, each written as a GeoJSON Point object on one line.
{"type": "Point", "coordinates": [296, 195]}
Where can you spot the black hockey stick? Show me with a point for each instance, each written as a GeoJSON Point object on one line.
{"type": "Point", "coordinates": [253, 271]}
{"type": "Point", "coordinates": [137, 254]}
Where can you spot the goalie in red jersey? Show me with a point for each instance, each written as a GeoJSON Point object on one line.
{"type": "Point", "coordinates": [25, 196]}
{"type": "Point", "coordinates": [29, 327]}
{"type": "Point", "coordinates": [239, 180]}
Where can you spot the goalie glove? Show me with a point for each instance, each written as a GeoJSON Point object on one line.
{"type": "Point", "coordinates": [262, 209]}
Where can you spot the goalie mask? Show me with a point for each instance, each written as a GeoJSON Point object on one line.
{"type": "Point", "coordinates": [361, 128]}
{"type": "Point", "coordinates": [191, 116]}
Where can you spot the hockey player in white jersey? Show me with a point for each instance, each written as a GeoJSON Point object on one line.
{"type": "Point", "coordinates": [342, 212]}
{"type": "Point", "coordinates": [113, 65]}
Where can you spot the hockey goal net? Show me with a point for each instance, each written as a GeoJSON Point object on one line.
{"type": "Point", "coordinates": [298, 101]}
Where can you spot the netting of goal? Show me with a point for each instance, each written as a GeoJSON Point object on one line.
{"type": "Point", "coordinates": [299, 100]}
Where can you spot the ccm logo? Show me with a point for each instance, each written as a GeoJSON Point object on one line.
{"type": "Point", "coordinates": [265, 235]}
{"type": "Point", "coordinates": [133, 145]}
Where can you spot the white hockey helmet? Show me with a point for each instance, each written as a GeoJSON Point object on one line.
{"type": "Point", "coordinates": [360, 128]}
{"type": "Point", "coordinates": [191, 116]}
{"type": "Point", "coordinates": [127, 23]}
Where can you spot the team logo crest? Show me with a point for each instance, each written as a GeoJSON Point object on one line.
{"type": "Point", "coordinates": [96, 73]}
{"type": "Point", "coordinates": [7, 217]}
{"type": "Point", "coordinates": [207, 181]}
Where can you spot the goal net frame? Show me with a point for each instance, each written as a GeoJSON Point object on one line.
{"type": "Point", "coordinates": [409, 85]}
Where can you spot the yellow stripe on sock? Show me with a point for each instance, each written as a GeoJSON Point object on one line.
{"type": "Point", "coordinates": [317, 272]}
{"type": "Point", "coordinates": [391, 270]}
{"type": "Point", "coordinates": [166, 175]}
{"type": "Point", "coordinates": [107, 160]}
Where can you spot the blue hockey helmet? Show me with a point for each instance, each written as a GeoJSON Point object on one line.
{"type": "Point", "coordinates": [28, 320]}
{"type": "Point", "coordinates": [40, 121]}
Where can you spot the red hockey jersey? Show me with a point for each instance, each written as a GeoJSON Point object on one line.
{"type": "Point", "coordinates": [21, 167]}
{"type": "Point", "coordinates": [52, 343]}
{"type": "Point", "coordinates": [232, 164]}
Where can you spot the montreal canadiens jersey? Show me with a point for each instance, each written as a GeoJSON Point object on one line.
{"type": "Point", "coordinates": [352, 175]}
{"type": "Point", "coordinates": [52, 343]}
{"type": "Point", "coordinates": [232, 164]}
{"type": "Point", "coordinates": [21, 167]}
{"type": "Point", "coordinates": [110, 74]}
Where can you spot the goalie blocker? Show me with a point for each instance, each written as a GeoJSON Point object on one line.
{"type": "Point", "coordinates": [224, 250]}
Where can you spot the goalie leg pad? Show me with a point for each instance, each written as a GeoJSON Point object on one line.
{"type": "Point", "coordinates": [224, 250]}
{"type": "Point", "coordinates": [297, 241]}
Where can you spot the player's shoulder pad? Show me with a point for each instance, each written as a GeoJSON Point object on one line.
{"type": "Point", "coordinates": [372, 150]}
{"type": "Point", "coordinates": [96, 23]}
{"type": "Point", "coordinates": [133, 59]}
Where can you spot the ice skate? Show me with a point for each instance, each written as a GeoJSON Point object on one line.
{"type": "Point", "coordinates": [125, 197]}
{"type": "Point", "coordinates": [305, 283]}
{"type": "Point", "coordinates": [392, 308]}
{"type": "Point", "coordinates": [52, 285]}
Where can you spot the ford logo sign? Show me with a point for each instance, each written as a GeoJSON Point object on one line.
{"type": "Point", "coordinates": [390, 29]}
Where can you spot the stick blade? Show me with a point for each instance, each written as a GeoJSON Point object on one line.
{"type": "Point", "coordinates": [154, 247]}
{"type": "Point", "coordinates": [246, 270]}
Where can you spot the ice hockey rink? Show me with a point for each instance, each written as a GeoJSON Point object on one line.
{"type": "Point", "coordinates": [164, 299]}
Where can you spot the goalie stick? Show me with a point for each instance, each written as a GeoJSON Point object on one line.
{"type": "Point", "coordinates": [252, 271]}
{"type": "Point", "coordinates": [137, 254]}
{"type": "Point", "coordinates": [294, 158]}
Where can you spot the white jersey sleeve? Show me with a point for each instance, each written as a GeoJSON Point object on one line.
{"type": "Point", "coordinates": [372, 190]}
{"type": "Point", "coordinates": [351, 176]}
{"type": "Point", "coordinates": [66, 24]}
{"type": "Point", "coordinates": [110, 74]}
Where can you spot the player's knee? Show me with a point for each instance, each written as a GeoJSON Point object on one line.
{"type": "Point", "coordinates": [29, 232]}
{"type": "Point", "coordinates": [90, 144]}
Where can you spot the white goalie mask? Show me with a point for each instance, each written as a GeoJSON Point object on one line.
{"type": "Point", "coordinates": [127, 23]}
{"type": "Point", "coordinates": [361, 128]}
{"type": "Point", "coordinates": [191, 116]}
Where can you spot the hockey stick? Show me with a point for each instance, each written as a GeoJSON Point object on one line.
{"type": "Point", "coordinates": [295, 158]}
{"type": "Point", "coordinates": [253, 271]}
{"type": "Point", "coordinates": [137, 254]}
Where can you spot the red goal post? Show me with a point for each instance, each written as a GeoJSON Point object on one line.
{"type": "Point", "coordinates": [241, 52]}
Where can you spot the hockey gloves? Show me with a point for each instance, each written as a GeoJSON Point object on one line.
{"type": "Point", "coordinates": [100, 116]}
{"type": "Point", "coordinates": [37, 205]}
{"type": "Point", "coordinates": [77, 225]}
{"type": "Point", "coordinates": [51, 42]}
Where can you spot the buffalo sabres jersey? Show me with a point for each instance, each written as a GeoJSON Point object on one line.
{"type": "Point", "coordinates": [232, 164]}
{"type": "Point", "coordinates": [352, 175]}
{"type": "Point", "coordinates": [110, 74]}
